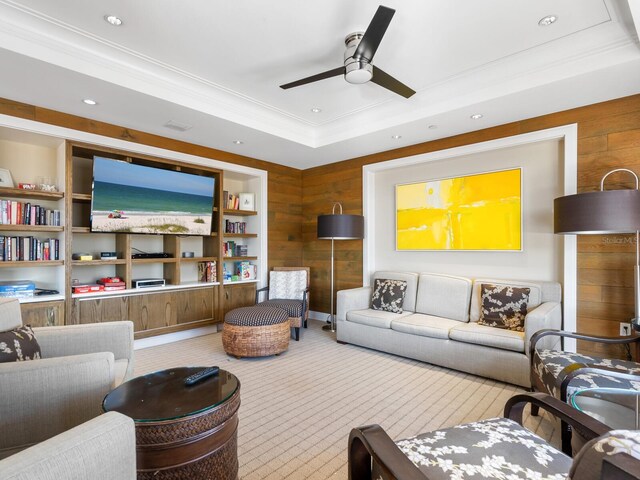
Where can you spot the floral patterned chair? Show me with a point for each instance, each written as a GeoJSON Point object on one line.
{"type": "Point", "coordinates": [497, 448]}
{"type": "Point", "coordinates": [289, 290]}
{"type": "Point", "coordinates": [560, 373]}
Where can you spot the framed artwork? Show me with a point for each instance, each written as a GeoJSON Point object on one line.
{"type": "Point", "coordinates": [247, 201]}
{"type": "Point", "coordinates": [482, 211]}
{"type": "Point", "coordinates": [5, 178]}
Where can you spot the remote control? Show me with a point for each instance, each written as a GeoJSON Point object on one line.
{"type": "Point", "coordinates": [201, 375]}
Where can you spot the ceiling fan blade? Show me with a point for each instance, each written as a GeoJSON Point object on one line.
{"type": "Point", "coordinates": [387, 81]}
{"type": "Point", "coordinates": [314, 78]}
{"type": "Point", "coordinates": [375, 31]}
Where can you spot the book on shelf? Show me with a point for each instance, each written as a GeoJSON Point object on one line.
{"type": "Point", "coordinates": [28, 248]}
{"type": "Point", "coordinates": [231, 201]}
{"type": "Point", "coordinates": [234, 227]}
{"type": "Point", "coordinates": [233, 249]}
{"type": "Point", "coordinates": [208, 271]}
{"type": "Point", "coordinates": [24, 213]}
{"type": "Point", "coordinates": [246, 270]}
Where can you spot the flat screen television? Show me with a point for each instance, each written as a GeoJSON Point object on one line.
{"type": "Point", "coordinates": [130, 198]}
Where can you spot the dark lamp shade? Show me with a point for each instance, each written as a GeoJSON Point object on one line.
{"type": "Point", "coordinates": [608, 211]}
{"type": "Point", "coordinates": [340, 227]}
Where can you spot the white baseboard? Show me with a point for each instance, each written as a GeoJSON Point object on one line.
{"type": "Point", "coordinates": [318, 316]}
{"type": "Point", "coordinates": [173, 337]}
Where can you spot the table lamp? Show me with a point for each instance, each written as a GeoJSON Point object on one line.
{"type": "Point", "coordinates": [338, 227]}
{"type": "Point", "coordinates": [602, 212]}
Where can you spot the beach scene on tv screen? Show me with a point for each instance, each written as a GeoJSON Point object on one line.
{"type": "Point", "coordinates": [131, 198]}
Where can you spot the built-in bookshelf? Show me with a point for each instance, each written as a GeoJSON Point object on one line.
{"type": "Point", "coordinates": [61, 215]}
{"type": "Point", "coordinates": [240, 241]}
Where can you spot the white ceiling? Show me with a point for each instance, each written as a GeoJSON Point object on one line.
{"type": "Point", "coordinates": [217, 66]}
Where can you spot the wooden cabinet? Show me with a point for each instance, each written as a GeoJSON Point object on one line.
{"type": "Point", "coordinates": [152, 312]}
{"type": "Point", "coordinates": [239, 295]}
{"type": "Point", "coordinates": [94, 310]}
{"type": "Point", "coordinates": [42, 314]}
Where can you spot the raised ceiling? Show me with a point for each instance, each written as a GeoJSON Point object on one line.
{"type": "Point", "coordinates": [216, 66]}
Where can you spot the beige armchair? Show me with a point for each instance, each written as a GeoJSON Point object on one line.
{"type": "Point", "coordinates": [104, 448]}
{"type": "Point", "coordinates": [80, 364]}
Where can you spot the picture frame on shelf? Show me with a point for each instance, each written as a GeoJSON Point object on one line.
{"type": "Point", "coordinates": [247, 201]}
{"type": "Point", "coordinates": [6, 181]}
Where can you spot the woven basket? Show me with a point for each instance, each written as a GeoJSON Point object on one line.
{"type": "Point", "coordinates": [249, 341]}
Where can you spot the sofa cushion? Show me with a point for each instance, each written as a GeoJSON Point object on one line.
{"type": "Point", "coordinates": [444, 296]}
{"type": "Point", "coordinates": [504, 306]}
{"type": "Point", "coordinates": [488, 336]}
{"type": "Point", "coordinates": [537, 291]}
{"type": "Point", "coordinates": [424, 325]}
{"type": "Point", "coordinates": [388, 295]}
{"type": "Point", "coordinates": [375, 318]}
{"type": "Point", "coordinates": [19, 345]}
{"type": "Point", "coordinates": [412, 286]}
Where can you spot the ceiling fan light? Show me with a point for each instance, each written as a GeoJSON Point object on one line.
{"type": "Point", "coordinates": [358, 73]}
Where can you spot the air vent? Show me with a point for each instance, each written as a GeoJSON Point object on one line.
{"type": "Point", "coordinates": [178, 127]}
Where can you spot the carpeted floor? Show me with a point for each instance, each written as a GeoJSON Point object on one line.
{"type": "Point", "coordinates": [298, 408]}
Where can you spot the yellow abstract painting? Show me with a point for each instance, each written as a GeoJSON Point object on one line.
{"type": "Point", "coordinates": [474, 212]}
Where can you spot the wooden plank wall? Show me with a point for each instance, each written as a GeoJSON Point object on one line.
{"type": "Point", "coordinates": [608, 138]}
{"type": "Point", "coordinates": [284, 183]}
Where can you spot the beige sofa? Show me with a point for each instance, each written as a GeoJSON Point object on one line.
{"type": "Point", "coordinates": [80, 364]}
{"type": "Point", "coordinates": [103, 448]}
{"type": "Point", "coordinates": [439, 324]}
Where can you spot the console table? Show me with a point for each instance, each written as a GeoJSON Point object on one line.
{"type": "Point", "coordinates": [182, 432]}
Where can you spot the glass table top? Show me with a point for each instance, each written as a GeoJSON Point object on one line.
{"type": "Point", "coordinates": [615, 407]}
{"type": "Point", "coordinates": [162, 395]}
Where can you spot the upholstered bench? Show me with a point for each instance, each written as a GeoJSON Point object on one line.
{"type": "Point", "coordinates": [255, 331]}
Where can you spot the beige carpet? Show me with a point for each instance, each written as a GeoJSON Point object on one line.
{"type": "Point", "coordinates": [298, 408]}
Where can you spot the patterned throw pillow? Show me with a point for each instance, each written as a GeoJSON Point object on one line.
{"type": "Point", "coordinates": [18, 345]}
{"type": "Point", "coordinates": [388, 295]}
{"type": "Point", "coordinates": [504, 306]}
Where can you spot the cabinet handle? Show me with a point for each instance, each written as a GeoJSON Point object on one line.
{"type": "Point", "coordinates": [50, 317]}
{"type": "Point", "coordinates": [226, 295]}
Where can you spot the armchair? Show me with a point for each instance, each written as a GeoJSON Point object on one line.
{"type": "Point", "coordinates": [288, 289]}
{"type": "Point", "coordinates": [80, 364]}
{"type": "Point", "coordinates": [103, 448]}
{"type": "Point", "coordinates": [496, 448]}
{"type": "Point", "coordinates": [560, 373]}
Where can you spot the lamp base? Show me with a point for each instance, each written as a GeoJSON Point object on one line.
{"type": "Point", "coordinates": [328, 327]}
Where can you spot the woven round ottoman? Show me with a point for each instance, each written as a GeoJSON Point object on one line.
{"type": "Point", "coordinates": [255, 331]}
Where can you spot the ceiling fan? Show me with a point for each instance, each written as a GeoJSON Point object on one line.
{"type": "Point", "coordinates": [357, 58]}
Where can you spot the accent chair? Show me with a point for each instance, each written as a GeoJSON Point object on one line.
{"type": "Point", "coordinates": [497, 448]}
{"type": "Point", "coordinates": [80, 364]}
{"type": "Point", "coordinates": [561, 373]}
{"type": "Point", "coordinates": [288, 289]}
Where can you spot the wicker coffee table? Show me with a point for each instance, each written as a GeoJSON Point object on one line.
{"type": "Point", "coordinates": [182, 432]}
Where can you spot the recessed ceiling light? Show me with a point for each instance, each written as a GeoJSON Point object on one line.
{"type": "Point", "coordinates": [396, 137]}
{"type": "Point", "coordinates": [316, 110]}
{"type": "Point", "coordinates": [178, 127]}
{"type": "Point", "coordinates": [113, 20]}
{"type": "Point", "coordinates": [238, 142]}
{"type": "Point", "coordinates": [548, 20]}
{"type": "Point", "coordinates": [476, 116]}
{"type": "Point", "coordinates": [432, 127]}
{"type": "Point", "coordinates": [89, 101]}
